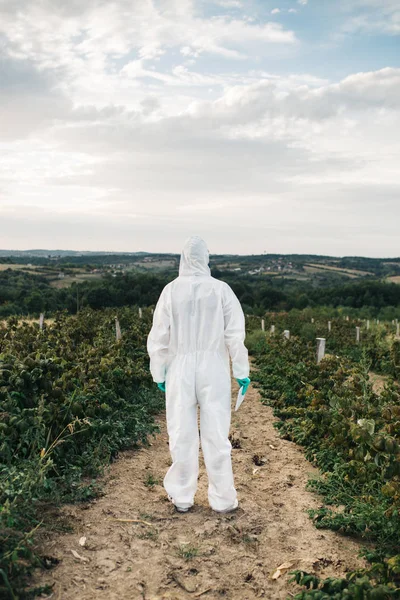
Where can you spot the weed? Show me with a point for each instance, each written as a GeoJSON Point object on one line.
{"type": "Point", "coordinates": [150, 481]}
{"type": "Point", "coordinates": [146, 516]}
{"type": "Point", "coordinates": [149, 534]}
{"type": "Point", "coordinates": [188, 552]}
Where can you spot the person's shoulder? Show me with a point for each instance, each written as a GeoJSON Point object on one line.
{"type": "Point", "coordinates": [168, 287]}
{"type": "Point", "coordinates": [216, 282]}
{"type": "Point", "coordinates": [171, 283]}
{"type": "Point", "coordinates": [221, 285]}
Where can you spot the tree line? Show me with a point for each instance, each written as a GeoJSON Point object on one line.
{"type": "Point", "coordinates": [24, 293]}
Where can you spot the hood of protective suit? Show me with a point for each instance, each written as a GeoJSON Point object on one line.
{"type": "Point", "coordinates": [194, 258]}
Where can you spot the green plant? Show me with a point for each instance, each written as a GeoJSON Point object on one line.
{"type": "Point", "coordinates": [150, 481]}
{"type": "Point", "coordinates": [353, 436]}
{"type": "Point", "coordinates": [71, 397]}
{"type": "Point", "coordinates": [255, 341]}
{"type": "Point", "coordinates": [187, 552]}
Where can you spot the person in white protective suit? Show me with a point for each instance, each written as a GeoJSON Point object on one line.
{"type": "Point", "coordinates": [198, 322]}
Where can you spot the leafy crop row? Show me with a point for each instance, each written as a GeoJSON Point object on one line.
{"type": "Point", "coordinates": [353, 436]}
{"type": "Point", "coordinates": [71, 397]}
{"type": "Point", "coordinates": [378, 343]}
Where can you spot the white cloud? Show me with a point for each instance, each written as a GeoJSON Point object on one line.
{"type": "Point", "coordinates": [230, 3]}
{"type": "Point", "coordinates": [150, 52]}
{"type": "Point", "coordinates": [268, 99]}
{"type": "Point", "coordinates": [188, 51]}
{"type": "Point", "coordinates": [300, 154]}
{"type": "Point", "coordinates": [380, 16]}
{"type": "Point", "coordinates": [103, 122]}
{"type": "Point", "coordinates": [183, 74]}
{"type": "Point", "coordinates": [98, 54]}
{"type": "Point", "coordinates": [58, 35]}
{"type": "Point", "coordinates": [275, 11]}
{"type": "Point", "coordinates": [292, 10]}
{"type": "Point", "coordinates": [303, 2]}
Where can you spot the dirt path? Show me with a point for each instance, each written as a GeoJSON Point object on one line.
{"type": "Point", "coordinates": [199, 554]}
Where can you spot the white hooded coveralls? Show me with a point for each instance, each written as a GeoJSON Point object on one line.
{"type": "Point", "coordinates": [198, 322]}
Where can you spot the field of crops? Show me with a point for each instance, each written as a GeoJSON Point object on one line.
{"type": "Point", "coordinates": [348, 431]}
{"type": "Point", "coordinates": [71, 397]}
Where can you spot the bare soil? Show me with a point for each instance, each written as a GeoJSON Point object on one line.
{"type": "Point", "coordinates": [394, 279]}
{"type": "Point", "coordinates": [137, 547]}
{"type": "Point", "coordinates": [378, 382]}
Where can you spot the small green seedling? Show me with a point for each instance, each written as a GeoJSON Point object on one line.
{"type": "Point", "coordinates": [151, 481]}
{"type": "Point", "coordinates": [188, 552]}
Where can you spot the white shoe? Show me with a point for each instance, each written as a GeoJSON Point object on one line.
{"type": "Point", "coordinates": [179, 509]}
{"type": "Point", "coordinates": [228, 510]}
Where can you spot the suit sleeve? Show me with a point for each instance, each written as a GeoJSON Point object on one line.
{"type": "Point", "coordinates": [234, 324]}
{"type": "Point", "coordinates": [158, 339]}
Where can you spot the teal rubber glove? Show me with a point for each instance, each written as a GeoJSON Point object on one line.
{"type": "Point", "coordinates": [161, 386]}
{"type": "Point", "coordinates": [244, 383]}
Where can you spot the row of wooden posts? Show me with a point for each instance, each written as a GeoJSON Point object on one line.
{"type": "Point", "coordinates": [358, 329]}
{"type": "Point", "coordinates": [321, 342]}
{"type": "Point", "coordinates": [117, 326]}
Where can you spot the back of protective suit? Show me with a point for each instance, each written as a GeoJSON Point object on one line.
{"type": "Point", "coordinates": [198, 323]}
{"type": "Point", "coordinates": [197, 314]}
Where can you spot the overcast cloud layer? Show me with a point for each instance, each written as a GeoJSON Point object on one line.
{"type": "Point", "coordinates": [261, 125]}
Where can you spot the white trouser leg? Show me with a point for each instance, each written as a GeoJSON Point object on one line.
{"type": "Point", "coordinates": [180, 481]}
{"type": "Point", "coordinates": [213, 387]}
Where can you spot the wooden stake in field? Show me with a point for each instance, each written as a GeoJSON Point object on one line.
{"type": "Point", "coordinates": [286, 334]}
{"type": "Point", "coordinates": [321, 342]}
{"type": "Point", "coordinates": [312, 319]}
{"type": "Point", "coordinates": [41, 321]}
{"type": "Point", "coordinates": [329, 326]}
{"type": "Point", "coordinates": [118, 334]}
{"type": "Point", "coordinates": [272, 329]}
{"type": "Point", "coordinates": [140, 313]}
{"type": "Point", "coordinates": [262, 324]}
{"type": "Point", "coordinates": [357, 335]}
{"type": "Point", "coordinates": [367, 323]}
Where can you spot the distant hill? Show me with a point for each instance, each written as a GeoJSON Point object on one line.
{"type": "Point", "coordinates": [44, 253]}
{"type": "Point", "coordinates": [62, 253]}
{"type": "Point", "coordinates": [300, 267]}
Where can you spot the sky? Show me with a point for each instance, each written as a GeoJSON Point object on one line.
{"type": "Point", "coordinates": [261, 125]}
